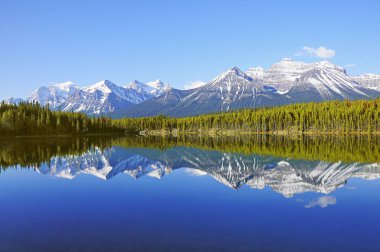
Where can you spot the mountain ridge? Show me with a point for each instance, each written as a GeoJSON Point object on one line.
{"type": "Point", "coordinates": [283, 83]}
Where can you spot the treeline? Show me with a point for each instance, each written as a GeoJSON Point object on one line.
{"type": "Point", "coordinates": [32, 152]}
{"type": "Point", "coordinates": [330, 148]}
{"type": "Point", "coordinates": [325, 117]}
{"type": "Point", "coordinates": [32, 119]}
{"type": "Point", "coordinates": [331, 116]}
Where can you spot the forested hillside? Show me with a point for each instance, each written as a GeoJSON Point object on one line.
{"type": "Point", "coordinates": [325, 117]}
{"type": "Point", "coordinates": [32, 119]}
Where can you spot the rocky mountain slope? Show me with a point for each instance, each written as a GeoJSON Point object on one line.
{"type": "Point", "coordinates": [285, 82]}
{"type": "Point", "coordinates": [234, 89]}
{"type": "Point", "coordinates": [368, 80]}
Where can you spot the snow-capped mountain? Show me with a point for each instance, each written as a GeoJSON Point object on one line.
{"type": "Point", "coordinates": [284, 82]}
{"type": "Point", "coordinates": [147, 91]}
{"type": "Point", "coordinates": [369, 80]}
{"type": "Point", "coordinates": [54, 95]}
{"type": "Point", "coordinates": [326, 81]}
{"type": "Point", "coordinates": [287, 73]}
{"type": "Point", "coordinates": [281, 75]}
{"type": "Point", "coordinates": [143, 91]}
{"type": "Point", "coordinates": [233, 89]}
{"type": "Point", "coordinates": [158, 105]}
{"type": "Point", "coordinates": [158, 87]}
{"type": "Point", "coordinates": [13, 100]}
{"type": "Point", "coordinates": [103, 97]}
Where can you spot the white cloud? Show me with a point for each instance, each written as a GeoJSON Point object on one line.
{"type": "Point", "coordinates": [323, 202]}
{"type": "Point", "coordinates": [195, 172]}
{"type": "Point", "coordinates": [320, 52]}
{"type": "Point", "coordinates": [194, 84]}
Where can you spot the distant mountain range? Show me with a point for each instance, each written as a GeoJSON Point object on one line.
{"type": "Point", "coordinates": [285, 82]}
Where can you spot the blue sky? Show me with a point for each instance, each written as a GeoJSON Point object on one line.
{"type": "Point", "coordinates": [46, 42]}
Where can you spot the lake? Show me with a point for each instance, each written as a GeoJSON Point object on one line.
{"type": "Point", "coordinates": [261, 193]}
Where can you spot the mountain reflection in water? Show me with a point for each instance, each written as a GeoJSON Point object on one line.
{"type": "Point", "coordinates": [260, 162]}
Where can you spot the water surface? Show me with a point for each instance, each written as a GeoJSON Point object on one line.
{"type": "Point", "coordinates": [154, 194]}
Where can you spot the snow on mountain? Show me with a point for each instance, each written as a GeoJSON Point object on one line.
{"type": "Point", "coordinates": [256, 72]}
{"type": "Point", "coordinates": [106, 87]}
{"type": "Point", "coordinates": [284, 74]}
{"type": "Point", "coordinates": [281, 75]}
{"type": "Point", "coordinates": [326, 81]}
{"type": "Point", "coordinates": [13, 100]}
{"type": "Point", "coordinates": [369, 80]}
{"type": "Point", "coordinates": [103, 97]}
{"type": "Point", "coordinates": [233, 89]}
{"type": "Point", "coordinates": [54, 95]}
{"type": "Point", "coordinates": [163, 104]}
{"type": "Point", "coordinates": [159, 87]}
{"type": "Point", "coordinates": [140, 87]}
{"type": "Point", "coordinates": [305, 82]}
{"type": "Point", "coordinates": [143, 91]}
{"type": "Point", "coordinates": [284, 82]}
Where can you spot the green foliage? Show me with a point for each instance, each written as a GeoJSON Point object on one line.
{"type": "Point", "coordinates": [32, 152]}
{"type": "Point", "coordinates": [32, 119]}
{"type": "Point", "coordinates": [325, 117]}
{"type": "Point", "coordinates": [331, 148]}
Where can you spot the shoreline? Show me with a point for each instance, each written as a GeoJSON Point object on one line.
{"type": "Point", "coordinates": [63, 135]}
{"type": "Point", "coordinates": [222, 133]}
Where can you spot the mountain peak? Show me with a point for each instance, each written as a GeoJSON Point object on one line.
{"type": "Point", "coordinates": [54, 95]}
{"type": "Point", "coordinates": [327, 65]}
{"type": "Point", "coordinates": [104, 86]}
{"type": "Point", "coordinates": [104, 82]}
{"type": "Point", "coordinates": [232, 72]}
{"type": "Point", "coordinates": [156, 84]}
{"type": "Point", "coordinates": [64, 84]}
{"type": "Point", "coordinates": [159, 87]}
{"type": "Point", "coordinates": [256, 72]}
{"type": "Point", "coordinates": [235, 69]}
{"type": "Point", "coordinates": [135, 84]}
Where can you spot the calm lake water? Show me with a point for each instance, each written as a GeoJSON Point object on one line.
{"type": "Point", "coordinates": [137, 194]}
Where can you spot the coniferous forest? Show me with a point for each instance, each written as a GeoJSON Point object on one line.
{"type": "Point", "coordinates": [32, 119]}
{"type": "Point", "coordinates": [32, 152]}
{"type": "Point", "coordinates": [346, 117]}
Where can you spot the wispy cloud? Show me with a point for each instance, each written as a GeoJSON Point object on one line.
{"type": "Point", "coordinates": [194, 84]}
{"type": "Point", "coordinates": [323, 202]}
{"type": "Point", "coordinates": [320, 52]}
